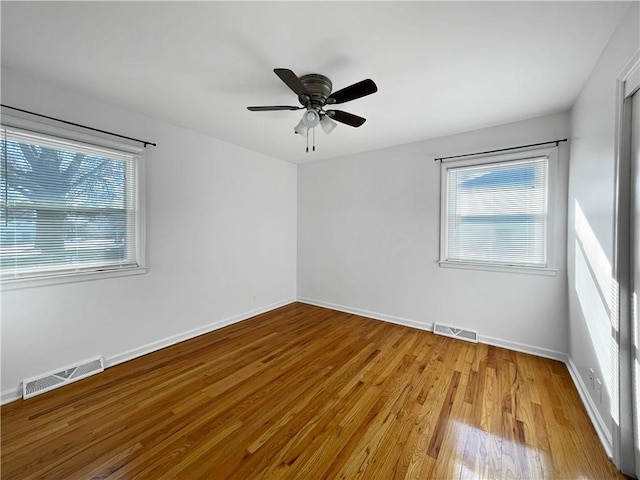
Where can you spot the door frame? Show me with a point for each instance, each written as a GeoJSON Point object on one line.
{"type": "Point", "coordinates": [627, 83]}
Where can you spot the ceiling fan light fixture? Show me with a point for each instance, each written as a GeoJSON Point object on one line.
{"type": "Point", "coordinates": [301, 129]}
{"type": "Point", "coordinates": [327, 124]}
{"type": "Point", "coordinates": [311, 118]}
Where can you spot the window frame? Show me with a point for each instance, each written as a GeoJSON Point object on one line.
{"type": "Point", "coordinates": [551, 154]}
{"type": "Point", "coordinates": [96, 140]}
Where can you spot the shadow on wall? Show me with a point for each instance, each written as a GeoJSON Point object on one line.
{"type": "Point", "coordinates": [597, 292]}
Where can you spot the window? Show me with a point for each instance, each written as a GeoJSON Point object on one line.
{"type": "Point", "coordinates": [498, 211]}
{"type": "Point", "coordinates": [67, 207]}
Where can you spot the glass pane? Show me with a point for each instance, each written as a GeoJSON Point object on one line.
{"type": "Point", "coordinates": [63, 209]}
{"type": "Point", "coordinates": [497, 213]}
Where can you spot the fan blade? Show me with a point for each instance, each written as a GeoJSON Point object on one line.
{"type": "Point", "coordinates": [292, 81]}
{"type": "Point", "coordinates": [346, 118]}
{"type": "Point", "coordinates": [357, 90]}
{"type": "Point", "coordinates": [275, 107]}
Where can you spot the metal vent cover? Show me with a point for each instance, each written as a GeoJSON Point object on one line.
{"type": "Point", "coordinates": [61, 376]}
{"type": "Point", "coordinates": [455, 332]}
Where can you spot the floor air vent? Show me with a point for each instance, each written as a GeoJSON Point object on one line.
{"type": "Point", "coordinates": [63, 376]}
{"type": "Point", "coordinates": [462, 334]}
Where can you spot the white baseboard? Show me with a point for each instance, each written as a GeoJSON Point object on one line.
{"type": "Point", "coordinates": [367, 313]}
{"type": "Point", "coordinates": [498, 342]}
{"type": "Point", "coordinates": [16, 393]}
{"type": "Point", "coordinates": [11, 395]}
{"type": "Point", "coordinates": [196, 332]}
{"type": "Point", "coordinates": [596, 419]}
{"type": "Point", "coordinates": [524, 348]}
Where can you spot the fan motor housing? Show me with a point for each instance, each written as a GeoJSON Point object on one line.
{"type": "Point", "coordinates": [318, 86]}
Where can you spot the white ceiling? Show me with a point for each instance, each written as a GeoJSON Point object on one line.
{"type": "Point", "coordinates": [441, 67]}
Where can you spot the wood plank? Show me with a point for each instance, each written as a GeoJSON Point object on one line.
{"type": "Point", "coordinates": [307, 392]}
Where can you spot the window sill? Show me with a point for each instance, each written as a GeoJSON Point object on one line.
{"type": "Point", "coordinates": [549, 272]}
{"type": "Point", "coordinates": [47, 280]}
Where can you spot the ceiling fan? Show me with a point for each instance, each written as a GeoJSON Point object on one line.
{"type": "Point", "coordinates": [314, 94]}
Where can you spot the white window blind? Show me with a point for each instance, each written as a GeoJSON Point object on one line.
{"type": "Point", "coordinates": [65, 207]}
{"type": "Point", "coordinates": [497, 213]}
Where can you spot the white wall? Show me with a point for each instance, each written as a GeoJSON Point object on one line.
{"type": "Point", "coordinates": [221, 226]}
{"type": "Point", "coordinates": [368, 242]}
{"type": "Point", "coordinates": [591, 217]}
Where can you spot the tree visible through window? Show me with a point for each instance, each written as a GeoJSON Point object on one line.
{"type": "Point", "coordinates": [64, 206]}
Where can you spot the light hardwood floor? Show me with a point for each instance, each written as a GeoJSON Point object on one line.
{"type": "Point", "coordinates": [308, 393]}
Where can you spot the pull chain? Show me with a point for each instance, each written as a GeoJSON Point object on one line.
{"type": "Point", "coordinates": [311, 131]}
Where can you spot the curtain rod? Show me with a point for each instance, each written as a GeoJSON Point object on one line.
{"type": "Point", "coordinates": [557, 142]}
{"type": "Point", "coordinates": [144, 142]}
